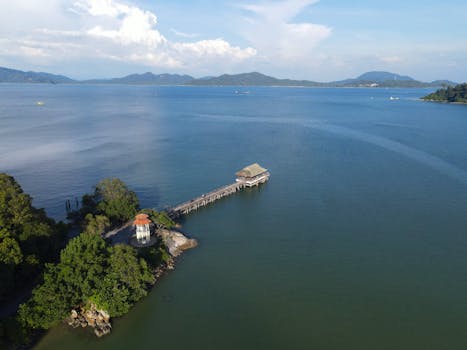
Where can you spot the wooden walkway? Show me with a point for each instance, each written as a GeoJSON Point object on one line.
{"type": "Point", "coordinates": [205, 199]}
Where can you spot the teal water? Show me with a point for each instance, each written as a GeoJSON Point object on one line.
{"type": "Point", "coordinates": [358, 241]}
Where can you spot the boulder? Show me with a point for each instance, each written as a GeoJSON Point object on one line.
{"type": "Point", "coordinates": [92, 317]}
{"type": "Point", "coordinates": [176, 242]}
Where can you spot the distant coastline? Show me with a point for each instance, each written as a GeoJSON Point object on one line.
{"type": "Point", "coordinates": [374, 79]}
{"type": "Point", "coordinates": [455, 95]}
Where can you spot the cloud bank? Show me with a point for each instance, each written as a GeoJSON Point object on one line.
{"type": "Point", "coordinates": [113, 30]}
{"type": "Point", "coordinates": [271, 28]}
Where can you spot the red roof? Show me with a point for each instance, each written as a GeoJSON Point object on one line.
{"type": "Point", "coordinates": [141, 219]}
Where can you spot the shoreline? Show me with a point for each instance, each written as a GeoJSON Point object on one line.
{"type": "Point", "coordinates": [173, 241]}
{"type": "Point", "coordinates": [445, 102]}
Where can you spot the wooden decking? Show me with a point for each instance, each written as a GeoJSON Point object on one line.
{"type": "Point", "coordinates": [245, 180]}
{"type": "Point", "coordinates": [205, 199]}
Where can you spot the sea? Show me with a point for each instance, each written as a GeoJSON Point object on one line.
{"type": "Point", "coordinates": [357, 242]}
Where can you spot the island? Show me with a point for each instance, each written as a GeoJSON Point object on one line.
{"type": "Point", "coordinates": [82, 272]}
{"type": "Point", "coordinates": [456, 94]}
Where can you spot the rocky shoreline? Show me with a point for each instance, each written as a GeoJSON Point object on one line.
{"type": "Point", "coordinates": [90, 316]}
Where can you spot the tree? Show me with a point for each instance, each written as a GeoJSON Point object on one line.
{"type": "Point", "coordinates": [125, 283]}
{"type": "Point", "coordinates": [457, 93]}
{"type": "Point", "coordinates": [113, 278]}
{"type": "Point", "coordinates": [49, 302]}
{"type": "Point", "coordinates": [15, 206]}
{"type": "Point", "coordinates": [10, 252]}
{"type": "Point", "coordinates": [82, 265]}
{"type": "Point", "coordinates": [10, 257]}
{"type": "Point", "coordinates": [115, 200]}
{"type": "Point", "coordinates": [160, 219]}
{"type": "Point", "coordinates": [28, 238]}
{"type": "Point", "coordinates": [67, 284]}
{"type": "Point", "coordinates": [97, 224]}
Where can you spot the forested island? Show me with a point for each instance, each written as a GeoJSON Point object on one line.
{"type": "Point", "coordinates": [84, 280]}
{"type": "Point", "coordinates": [456, 94]}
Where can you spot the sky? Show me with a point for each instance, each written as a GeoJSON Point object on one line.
{"type": "Point", "coordinates": [321, 40]}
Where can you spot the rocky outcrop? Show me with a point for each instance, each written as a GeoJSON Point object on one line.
{"type": "Point", "coordinates": [92, 317]}
{"type": "Point", "coordinates": [176, 242]}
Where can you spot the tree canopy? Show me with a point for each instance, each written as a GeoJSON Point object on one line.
{"type": "Point", "coordinates": [457, 94]}
{"type": "Point", "coordinates": [112, 200]}
{"type": "Point", "coordinates": [113, 278]}
{"type": "Point", "coordinates": [28, 238]}
{"type": "Point", "coordinates": [115, 200]}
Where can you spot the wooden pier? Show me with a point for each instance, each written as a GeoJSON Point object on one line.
{"type": "Point", "coordinates": [250, 176]}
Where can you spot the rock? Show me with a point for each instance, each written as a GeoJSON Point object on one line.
{"type": "Point", "coordinates": [92, 317]}
{"type": "Point", "coordinates": [176, 242]}
{"type": "Point", "coordinates": [102, 329]}
{"type": "Point", "coordinates": [105, 315]}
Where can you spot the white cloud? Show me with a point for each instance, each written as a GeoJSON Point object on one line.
{"type": "Point", "coordinates": [111, 29]}
{"type": "Point", "coordinates": [135, 27]}
{"type": "Point", "coordinates": [100, 7]}
{"type": "Point", "coordinates": [272, 31]}
{"type": "Point", "coordinates": [183, 34]}
{"type": "Point", "coordinates": [214, 48]}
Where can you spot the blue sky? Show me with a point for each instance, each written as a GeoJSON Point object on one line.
{"type": "Point", "coordinates": [303, 39]}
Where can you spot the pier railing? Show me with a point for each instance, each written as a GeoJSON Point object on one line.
{"type": "Point", "coordinates": [205, 199]}
{"type": "Point", "coordinates": [210, 197]}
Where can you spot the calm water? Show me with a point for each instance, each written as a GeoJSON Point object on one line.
{"type": "Point", "coordinates": [358, 241]}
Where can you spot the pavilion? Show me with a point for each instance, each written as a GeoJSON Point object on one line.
{"type": "Point", "coordinates": [252, 175]}
{"type": "Point", "coordinates": [143, 232]}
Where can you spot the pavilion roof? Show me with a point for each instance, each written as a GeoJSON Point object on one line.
{"type": "Point", "coordinates": [251, 171]}
{"type": "Point", "coordinates": [142, 219]}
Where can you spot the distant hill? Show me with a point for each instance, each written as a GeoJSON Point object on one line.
{"type": "Point", "coordinates": [369, 79]}
{"type": "Point", "coordinates": [16, 76]}
{"type": "Point", "coordinates": [388, 79]}
{"type": "Point", "coordinates": [145, 79]}
{"type": "Point", "coordinates": [251, 79]}
{"type": "Point", "coordinates": [380, 77]}
{"type": "Point", "coordinates": [456, 94]}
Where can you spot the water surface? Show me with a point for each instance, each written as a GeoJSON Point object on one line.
{"type": "Point", "coordinates": [358, 241]}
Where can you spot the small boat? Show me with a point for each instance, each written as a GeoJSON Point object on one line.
{"type": "Point", "coordinates": [40, 103]}
{"type": "Point", "coordinates": [393, 98]}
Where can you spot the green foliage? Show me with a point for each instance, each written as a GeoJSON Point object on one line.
{"type": "Point", "coordinates": [49, 302]}
{"type": "Point", "coordinates": [457, 94]}
{"type": "Point", "coordinates": [115, 200]}
{"type": "Point", "coordinates": [28, 238]}
{"type": "Point", "coordinates": [15, 206]}
{"type": "Point", "coordinates": [112, 297]}
{"type": "Point", "coordinates": [154, 255]}
{"type": "Point", "coordinates": [10, 252]}
{"type": "Point", "coordinates": [96, 224]}
{"type": "Point", "coordinates": [111, 198]}
{"type": "Point", "coordinates": [125, 283]}
{"type": "Point", "coordinates": [114, 278]}
{"type": "Point", "coordinates": [161, 219]}
{"type": "Point", "coordinates": [82, 264]}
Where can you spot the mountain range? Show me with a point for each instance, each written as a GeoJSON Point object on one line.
{"type": "Point", "coordinates": [369, 79]}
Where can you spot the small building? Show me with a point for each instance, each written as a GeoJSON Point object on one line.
{"type": "Point", "coordinates": [252, 175]}
{"type": "Point", "coordinates": [143, 232]}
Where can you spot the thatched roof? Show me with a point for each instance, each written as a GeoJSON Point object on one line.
{"type": "Point", "coordinates": [251, 171]}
